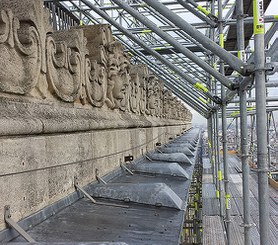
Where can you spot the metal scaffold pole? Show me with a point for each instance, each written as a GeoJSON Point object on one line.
{"type": "Point", "coordinates": [171, 40]}
{"type": "Point", "coordinates": [243, 128]}
{"type": "Point", "coordinates": [155, 54]}
{"type": "Point", "coordinates": [205, 41]}
{"type": "Point", "coordinates": [224, 134]}
{"type": "Point", "coordinates": [261, 121]}
{"type": "Point", "coordinates": [214, 131]}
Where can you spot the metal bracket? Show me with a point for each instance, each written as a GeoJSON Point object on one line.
{"type": "Point", "coordinates": [227, 221]}
{"type": "Point", "coordinates": [213, 18]}
{"type": "Point", "coordinates": [85, 193]}
{"type": "Point", "coordinates": [128, 158]}
{"type": "Point", "coordinates": [14, 225]}
{"type": "Point", "coordinates": [247, 225]}
{"type": "Point", "coordinates": [126, 169]}
{"type": "Point", "coordinates": [249, 69]}
{"type": "Point", "coordinates": [159, 151]}
{"type": "Point", "coordinates": [217, 100]}
{"type": "Point", "coordinates": [148, 158]}
{"type": "Point", "coordinates": [225, 180]}
{"type": "Point", "coordinates": [265, 170]}
{"type": "Point", "coordinates": [99, 179]}
{"type": "Point", "coordinates": [271, 68]}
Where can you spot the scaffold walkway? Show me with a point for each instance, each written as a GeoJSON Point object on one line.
{"type": "Point", "coordinates": [213, 226]}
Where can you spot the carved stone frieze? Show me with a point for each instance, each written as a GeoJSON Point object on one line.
{"type": "Point", "coordinates": [82, 65]}
{"type": "Point", "coordinates": [143, 73]}
{"type": "Point", "coordinates": [96, 63]}
{"type": "Point", "coordinates": [166, 105]}
{"type": "Point", "coordinates": [118, 77]}
{"type": "Point", "coordinates": [134, 98]}
{"type": "Point", "coordinates": [95, 83]}
{"type": "Point", "coordinates": [65, 57]}
{"type": "Point", "coordinates": [152, 91]}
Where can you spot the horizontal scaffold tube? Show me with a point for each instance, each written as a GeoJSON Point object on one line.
{"type": "Point", "coordinates": [201, 63]}
{"type": "Point", "coordinates": [141, 43]}
{"type": "Point", "coordinates": [230, 59]}
{"type": "Point", "coordinates": [183, 91]}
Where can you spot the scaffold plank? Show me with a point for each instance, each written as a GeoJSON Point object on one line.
{"type": "Point", "coordinates": [213, 232]}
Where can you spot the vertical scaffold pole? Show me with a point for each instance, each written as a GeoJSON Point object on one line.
{"type": "Point", "coordinates": [210, 145]}
{"type": "Point", "coordinates": [243, 128]}
{"type": "Point", "coordinates": [211, 119]}
{"type": "Point", "coordinates": [224, 133]}
{"type": "Point", "coordinates": [261, 120]}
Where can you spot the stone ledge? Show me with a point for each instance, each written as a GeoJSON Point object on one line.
{"type": "Point", "coordinates": [22, 116]}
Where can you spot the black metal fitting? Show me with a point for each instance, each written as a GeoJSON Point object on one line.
{"type": "Point", "coordinates": [235, 86]}
{"type": "Point", "coordinates": [248, 69]}
{"type": "Point", "coordinates": [217, 100]}
{"type": "Point", "coordinates": [128, 158]}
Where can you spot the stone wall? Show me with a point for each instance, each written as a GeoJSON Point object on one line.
{"type": "Point", "coordinates": [71, 102]}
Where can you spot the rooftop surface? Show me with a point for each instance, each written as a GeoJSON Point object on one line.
{"type": "Point", "coordinates": [152, 211]}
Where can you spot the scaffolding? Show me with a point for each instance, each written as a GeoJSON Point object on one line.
{"type": "Point", "coordinates": [215, 56]}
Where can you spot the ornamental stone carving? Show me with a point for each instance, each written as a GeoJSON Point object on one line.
{"type": "Point", "coordinates": [134, 98]}
{"type": "Point", "coordinates": [82, 65]}
{"type": "Point", "coordinates": [118, 77]}
{"type": "Point", "coordinates": [143, 73]}
{"type": "Point", "coordinates": [166, 105]}
{"type": "Point", "coordinates": [96, 63]}
{"type": "Point", "coordinates": [151, 98]}
{"type": "Point", "coordinates": [21, 46]}
{"type": "Point", "coordinates": [65, 55]}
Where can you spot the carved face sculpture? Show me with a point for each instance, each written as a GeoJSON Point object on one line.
{"type": "Point", "coordinates": [118, 77]}
{"type": "Point", "coordinates": [113, 72]}
{"type": "Point", "coordinates": [158, 95]}
{"type": "Point", "coordinates": [121, 88]}
{"type": "Point", "coordinates": [134, 93]}
{"type": "Point", "coordinates": [151, 92]}
{"type": "Point", "coordinates": [179, 109]}
{"type": "Point", "coordinates": [175, 108]}
{"type": "Point", "coordinates": [122, 79]}
{"type": "Point", "coordinates": [166, 104]}
{"type": "Point", "coordinates": [143, 94]}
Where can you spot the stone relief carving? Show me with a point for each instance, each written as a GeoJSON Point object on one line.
{"type": "Point", "coordinates": [166, 105]}
{"type": "Point", "coordinates": [118, 77]}
{"type": "Point", "coordinates": [64, 64]}
{"type": "Point", "coordinates": [84, 64]}
{"type": "Point", "coordinates": [21, 50]}
{"type": "Point", "coordinates": [143, 73]}
{"type": "Point", "coordinates": [134, 93]}
{"type": "Point", "coordinates": [23, 29]}
{"type": "Point", "coordinates": [95, 80]}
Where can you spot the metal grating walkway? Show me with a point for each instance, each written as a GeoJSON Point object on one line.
{"type": "Point", "coordinates": [213, 232]}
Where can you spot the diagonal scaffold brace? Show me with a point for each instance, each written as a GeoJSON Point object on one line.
{"type": "Point", "coordinates": [14, 225]}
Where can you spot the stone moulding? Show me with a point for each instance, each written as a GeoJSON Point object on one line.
{"type": "Point", "coordinates": [57, 74]}
{"type": "Point", "coordinates": [22, 117]}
